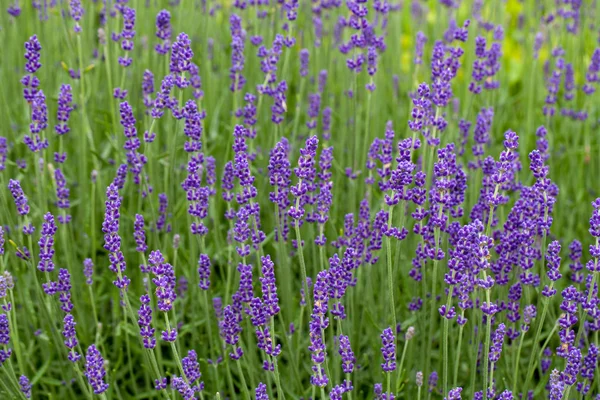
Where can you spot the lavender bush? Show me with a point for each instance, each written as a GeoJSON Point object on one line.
{"type": "Point", "coordinates": [259, 199]}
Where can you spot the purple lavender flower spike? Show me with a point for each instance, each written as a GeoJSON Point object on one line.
{"type": "Point", "coordinates": [19, 196]}
{"type": "Point", "coordinates": [65, 106]}
{"type": "Point", "coordinates": [145, 322]}
{"type": "Point", "coordinates": [64, 289]}
{"type": "Point", "coordinates": [14, 10]}
{"type": "Point", "coordinates": [348, 359]}
{"type": "Point", "coordinates": [30, 81]}
{"type": "Point", "coordinates": [147, 91]}
{"type": "Point", "coordinates": [181, 60]}
{"type": "Point", "coordinates": [6, 352]}
{"type": "Point", "coordinates": [76, 13]}
{"type": "Point", "coordinates": [139, 234]}
{"type": "Point", "coordinates": [238, 39]}
{"type": "Point", "coordinates": [62, 196]}
{"type": "Point", "coordinates": [388, 350]}
{"type": "Point", "coordinates": [204, 271]}
{"type": "Point", "coordinates": [3, 152]}
{"type": "Point", "coordinates": [269, 286]}
{"type": "Point", "coordinates": [112, 240]}
{"type": "Point", "coordinates": [191, 370]}
{"type": "Point", "coordinates": [127, 35]}
{"type": "Point", "coordinates": [304, 58]}
{"type": "Point", "coordinates": [261, 392]}
{"type": "Point", "coordinates": [557, 386]}
{"type": "Point", "coordinates": [279, 178]}
{"type": "Point", "coordinates": [70, 338]}
{"type": "Point", "coordinates": [163, 203]}
{"type": "Point", "coordinates": [164, 280]}
{"type": "Point", "coordinates": [420, 44]}
{"type": "Point", "coordinates": [454, 394]}
{"type": "Point", "coordinates": [306, 174]}
{"type": "Point", "coordinates": [230, 329]}
{"type": "Point", "coordinates": [46, 244]}
{"type": "Point", "coordinates": [163, 32]}
{"type": "Point", "coordinates": [318, 323]}
{"type": "Point", "coordinates": [94, 370]}
{"type": "Point", "coordinates": [88, 270]}
{"type": "Point", "coordinates": [39, 122]}
{"type": "Point", "coordinates": [25, 386]}
{"type": "Point", "coordinates": [497, 341]}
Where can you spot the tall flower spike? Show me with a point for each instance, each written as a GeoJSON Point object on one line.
{"type": "Point", "coordinates": [112, 240]}
{"type": "Point", "coordinates": [39, 122]}
{"type": "Point", "coordinates": [65, 106]}
{"type": "Point", "coordinates": [25, 386]}
{"type": "Point", "coordinates": [230, 329]}
{"type": "Point", "coordinates": [5, 352]}
{"type": "Point", "coordinates": [30, 81]}
{"type": "Point", "coordinates": [19, 196]}
{"type": "Point", "coordinates": [145, 322]}
{"type": "Point", "coordinates": [181, 60]}
{"type": "Point", "coordinates": [76, 13]}
{"type": "Point", "coordinates": [348, 359]}
{"type": "Point", "coordinates": [261, 392]}
{"type": "Point", "coordinates": [388, 350]}
{"type": "Point", "coordinates": [204, 271]}
{"type": "Point", "coordinates": [70, 338]}
{"type": "Point", "coordinates": [163, 32]}
{"type": "Point", "coordinates": [269, 287]}
{"type": "Point", "coordinates": [94, 370]}
{"type": "Point", "coordinates": [318, 323]}
{"type": "Point", "coordinates": [306, 174]}
{"type": "Point", "coordinates": [191, 370]}
{"type": "Point", "coordinates": [88, 270]}
{"type": "Point", "coordinates": [279, 178]}
{"type": "Point", "coordinates": [139, 234]}
{"type": "Point", "coordinates": [127, 35]}
{"type": "Point", "coordinates": [147, 91]}
{"type": "Point", "coordinates": [62, 196]}
{"type": "Point", "coordinates": [46, 244]}
{"type": "Point", "coordinates": [164, 280]}
{"type": "Point", "coordinates": [3, 152]}
{"type": "Point", "coordinates": [238, 38]}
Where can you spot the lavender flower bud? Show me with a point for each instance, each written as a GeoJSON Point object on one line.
{"type": "Point", "coordinates": [94, 370]}
{"type": "Point", "coordinates": [388, 350]}
{"type": "Point", "coordinates": [410, 333]}
{"type": "Point", "coordinates": [25, 386]}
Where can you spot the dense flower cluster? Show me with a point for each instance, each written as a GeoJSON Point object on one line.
{"type": "Point", "coordinates": [371, 187]}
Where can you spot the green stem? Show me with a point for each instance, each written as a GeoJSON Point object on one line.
{"type": "Point", "coordinates": [517, 359]}
{"type": "Point", "coordinates": [390, 273]}
{"type": "Point", "coordinates": [401, 366]}
{"type": "Point", "coordinates": [302, 265]}
{"type": "Point", "coordinates": [534, 352]}
{"type": "Point", "coordinates": [445, 342]}
{"type": "Point", "coordinates": [458, 351]}
{"type": "Point", "coordinates": [244, 385]}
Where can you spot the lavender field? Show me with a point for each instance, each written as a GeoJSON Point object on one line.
{"type": "Point", "coordinates": [285, 199]}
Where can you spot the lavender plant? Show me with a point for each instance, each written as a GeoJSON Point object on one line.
{"type": "Point", "coordinates": [289, 200]}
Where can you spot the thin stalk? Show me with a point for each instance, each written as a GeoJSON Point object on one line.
{"type": "Point", "coordinates": [244, 385]}
{"type": "Point", "coordinates": [458, 350]}
{"type": "Point", "coordinates": [400, 367]}
{"type": "Point", "coordinates": [534, 353]}
{"type": "Point", "coordinates": [486, 348]}
{"type": "Point", "coordinates": [517, 359]}
{"type": "Point", "coordinates": [445, 343]}
{"type": "Point", "coordinates": [302, 265]}
{"type": "Point", "coordinates": [390, 273]}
